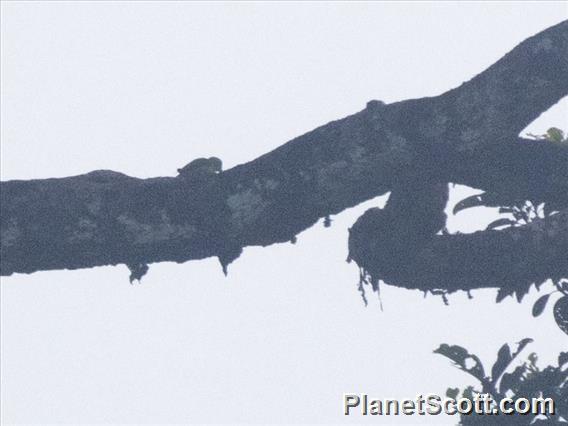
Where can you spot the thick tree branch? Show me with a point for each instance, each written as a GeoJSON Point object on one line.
{"type": "Point", "coordinates": [401, 247]}
{"type": "Point", "coordinates": [468, 135]}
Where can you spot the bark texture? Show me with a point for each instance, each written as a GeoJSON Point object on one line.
{"type": "Point", "coordinates": [468, 135]}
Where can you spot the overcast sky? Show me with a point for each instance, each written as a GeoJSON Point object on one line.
{"type": "Point", "coordinates": [143, 88]}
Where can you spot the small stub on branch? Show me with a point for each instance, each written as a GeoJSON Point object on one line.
{"type": "Point", "coordinates": [375, 104]}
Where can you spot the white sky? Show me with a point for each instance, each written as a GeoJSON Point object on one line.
{"type": "Point", "coordinates": [142, 88]}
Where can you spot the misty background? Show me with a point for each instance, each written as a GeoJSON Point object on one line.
{"type": "Point", "coordinates": [145, 87]}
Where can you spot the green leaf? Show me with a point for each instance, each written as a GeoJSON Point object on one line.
{"type": "Point", "coordinates": [555, 134]}
{"type": "Point", "coordinates": [500, 222]}
{"type": "Point", "coordinates": [539, 305]}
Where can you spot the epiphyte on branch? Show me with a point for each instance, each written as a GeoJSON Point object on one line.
{"type": "Point", "coordinates": [386, 241]}
{"type": "Point", "coordinates": [554, 134]}
{"type": "Point", "coordinates": [137, 271]}
{"type": "Point", "coordinates": [201, 168]}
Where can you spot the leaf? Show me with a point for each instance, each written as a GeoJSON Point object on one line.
{"type": "Point", "coordinates": [510, 381]}
{"type": "Point", "coordinates": [460, 356]}
{"type": "Point", "coordinates": [555, 134]}
{"type": "Point", "coordinates": [533, 358]}
{"type": "Point", "coordinates": [503, 360]}
{"type": "Point", "coordinates": [455, 353]}
{"type": "Point", "coordinates": [499, 222]}
{"type": "Point", "coordinates": [466, 203]}
{"type": "Point", "coordinates": [452, 393]}
{"type": "Point", "coordinates": [539, 305]}
{"type": "Point", "coordinates": [505, 202]}
{"type": "Point", "coordinates": [562, 358]}
{"type": "Point", "coordinates": [522, 344]}
{"type": "Point", "coordinates": [561, 313]}
{"type": "Point", "coordinates": [468, 392]}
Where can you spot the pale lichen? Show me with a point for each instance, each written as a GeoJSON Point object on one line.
{"type": "Point", "coordinates": [94, 207]}
{"type": "Point", "coordinates": [435, 127]}
{"type": "Point", "coordinates": [246, 206]}
{"type": "Point", "coordinates": [10, 234]}
{"type": "Point", "coordinates": [84, 231]}
{"type": "Point", "coordinates": [271, 185]}
{"type": "Point", "coordinates": [145, 233]}
{"type": "Point", "coordinates": [545, 44]}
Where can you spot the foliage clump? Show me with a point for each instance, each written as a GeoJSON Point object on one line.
{"type": "Point", "coordinates": [525, 381]}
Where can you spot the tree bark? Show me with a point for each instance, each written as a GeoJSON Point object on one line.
{"type": "Point", "coordinates": [468, 135]}
{"type": "Point", "coordinates": [401, 246]}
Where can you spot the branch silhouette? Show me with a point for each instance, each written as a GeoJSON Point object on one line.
{"type": "Point", "coordinates": [468, 135]}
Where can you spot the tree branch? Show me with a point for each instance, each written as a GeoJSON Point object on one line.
{"type": "Point", "coordinates": [402, 248]}
{"type": "Point", "coordinates": [465, 136]}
